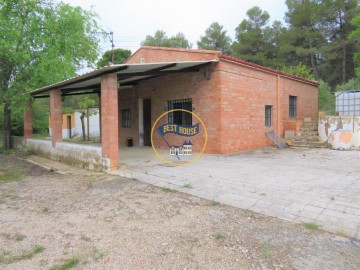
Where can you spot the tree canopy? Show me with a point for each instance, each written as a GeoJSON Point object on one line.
{"type": "Point", "coordinates": [160, 39]}
{"type": "Point", "coordinates": [41, 42]}
{"type": "Point", "coordinates": [120, 56]}
{"type": "Point", "coordinates": [215, 38]}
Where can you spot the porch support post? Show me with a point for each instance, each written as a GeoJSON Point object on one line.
{"type": "Point", "coordinates": [55, 116]}
{"type": "Point", "coordinates": [110, 120]}
{"type": "Point", "coordinates": [141, 122]}
{"type": "Point", "coordinates": [28, 129]}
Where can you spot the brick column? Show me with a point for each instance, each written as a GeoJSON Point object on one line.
{"type": "Point", "coordinates": [110, 120]}
{"type": "Point", "coordinates": [55, 116]}
{"type": "Point", "coordinates": [28, 129]}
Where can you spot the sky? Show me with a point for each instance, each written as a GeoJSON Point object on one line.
{"type": "Point", "coordinates": [132, 20]}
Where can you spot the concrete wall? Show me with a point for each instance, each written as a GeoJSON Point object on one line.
{"type": "Point", "coordinates": [328, 124]}
{"type": "Point", "coordinates": [84, 156]}
{"type": "Point", "coordinates": [76, 129]}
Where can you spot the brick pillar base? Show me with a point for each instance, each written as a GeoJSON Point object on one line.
{"type": "Point", "coordinates": [110, 120]}
{"type": "Point", "coordinates": [55, 116]}
{"type": "Point", "coordinates": [28, 129]}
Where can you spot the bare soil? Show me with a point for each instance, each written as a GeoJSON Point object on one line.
{"type": "Point", "coordinates": [108, 222]}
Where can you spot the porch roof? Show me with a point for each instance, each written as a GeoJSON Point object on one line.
{"type": "Point", "coordinates": [128, 74]}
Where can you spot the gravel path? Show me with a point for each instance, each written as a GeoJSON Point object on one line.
{"type": "Point", "coordinates": [108, 222]}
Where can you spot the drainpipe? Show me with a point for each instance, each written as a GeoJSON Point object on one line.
{"type": "Point", "coordinates": [278, 104]}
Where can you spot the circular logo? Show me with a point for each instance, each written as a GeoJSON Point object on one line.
{"type": "Point", "coordinates": [174, 140]}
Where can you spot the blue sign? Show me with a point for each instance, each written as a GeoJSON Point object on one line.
{"type": "Point", "coordinates": [180, 130]}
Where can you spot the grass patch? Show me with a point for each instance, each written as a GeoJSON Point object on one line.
{"type": "Point", "coordinates": [19, 237]}
{"type": "Point", "coordinates": [167, 189]}
{"type": "Point", "coordinates": [45, 210]}
{"type": "Point", "coordinates": [263, 194]}
{"type": "Point", "coordinates": [218, 236]}
{"type": "Point", "coordinates": [311, 226]}
{"type": "Point", "coordinates": [26, 255]}
{"type": "Point", "coordinates": [214, 203]}
{"type": "Point", "coordinates": [266, 250]}
{"type": "Point", "coordinates": [8, 196]}
{"type": "Point", "coordinates": [5, 151]}
{"type": "Point", "coordinates": [8, 175]}
{"type": "Point", "coordinates": [188, 185]}
{"type": "Point", "coordinates": [98, 254]}
{"type": "Point", "coordinates": [69, 263]}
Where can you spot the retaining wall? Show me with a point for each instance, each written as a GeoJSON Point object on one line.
{"type": "Point", "coordinates": [84, 156]}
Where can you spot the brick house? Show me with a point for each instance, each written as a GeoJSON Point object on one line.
{"type": "Point", "coordinates": [238, 101]}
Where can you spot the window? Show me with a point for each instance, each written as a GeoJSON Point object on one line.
{"type": "Point", "coordinates": [292, 107]}
{"type": "Point", "coordinates": [268, 115]}
{"type": "Point", "coordinates": [180, 117]}
{"type": "Point", "coordinates": [126, 118]}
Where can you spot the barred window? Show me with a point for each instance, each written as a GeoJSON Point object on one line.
{"type": "Point", "coordinates": [292, 106]}
{"type": "Point", "coordinates": [180, 117]}
{"type": "Point", "coordinates": [268, 115]}
{"type": "Point", "coordinates": [126, 118]}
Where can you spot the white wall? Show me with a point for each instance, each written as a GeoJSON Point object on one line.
{"type": "Point", "coordinates": [94, 124]}
{"type": "Point", "coordinates": [327, 124]}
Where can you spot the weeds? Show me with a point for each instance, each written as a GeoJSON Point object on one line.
{"type": "Point", "coordinates": [5, 151]}
{"type": "Point", "coordinates": [45, 210]}
{"type": "Point", "coordinates": [19, 237]}
{"type": "Point", "coordinates": [188, 185]}
{"type": "Point", "coordinates": [98, 254]}
{"type": "Point", "coordinates": [7, 175]}
{"type": "Point", "coordinates": [214, 203]}
{"type": "Point", "coordinates": [167, 189]}
{"type": "Point", "coordinates": [69, 263]}
{"type": "Point", "coordinates": [311, 226]}
{"type": "Point", "coordinates": [28, 254]}
{"type": "Point", "coordinates": [218, 236]}
{"type": "Point", "coordinates": [266, 250]}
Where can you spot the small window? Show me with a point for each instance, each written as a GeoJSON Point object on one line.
{"type": "Point", "coordinates": [292, 107]}
{"type": "Point", "coordinates": [180, 117]}
{"type": "Point", "coordinates": [268, 115]}
{"type": "Point", "coordinates": [126, 118]}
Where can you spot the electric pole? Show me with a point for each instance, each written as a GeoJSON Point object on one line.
{"type": "Point", "coordinates": [112, 46]}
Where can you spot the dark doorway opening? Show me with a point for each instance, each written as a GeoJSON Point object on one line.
{"type": "Point", "coordinates": [147, 122]}
{"type": "Point", "coordinates": [69, 126]}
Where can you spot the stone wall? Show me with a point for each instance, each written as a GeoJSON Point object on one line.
{"type": "Point", "coordinates": [327, 124]}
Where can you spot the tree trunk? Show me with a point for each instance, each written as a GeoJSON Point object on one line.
{"type": "Point", "coordinates": [7, 125]}
{"type": "Point", "coordinates": [83, 125]}
{"type": "Point", "coordinates": [343, 77]}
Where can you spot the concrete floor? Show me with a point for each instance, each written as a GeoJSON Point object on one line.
{"type": "Point", "coordinates": [320, 186]}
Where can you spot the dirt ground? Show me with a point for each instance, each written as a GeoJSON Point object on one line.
{"type": "Point", "coordinates": [97, 221]}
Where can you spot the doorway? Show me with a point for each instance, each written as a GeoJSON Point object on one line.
{"type": "Point", "coordinates": [69, 126]}
{"type": "Point", "coordinates": [147, 121]}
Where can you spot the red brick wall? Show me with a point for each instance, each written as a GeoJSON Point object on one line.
{"type": "Point", "coordinates": [232, 103]}
{"type": "Point", "coordinates": [55, 116]}
{"type": "Point", "coordinates": [205, 95]}
{"type": "Point", "coordinates": [306, 103]}
{"type": "Point", "coordinates": [245, 92]}
{"type": "Point", "coordinates": [157, 54]}
{"type": "Point", "coordinates": [109, 119]}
